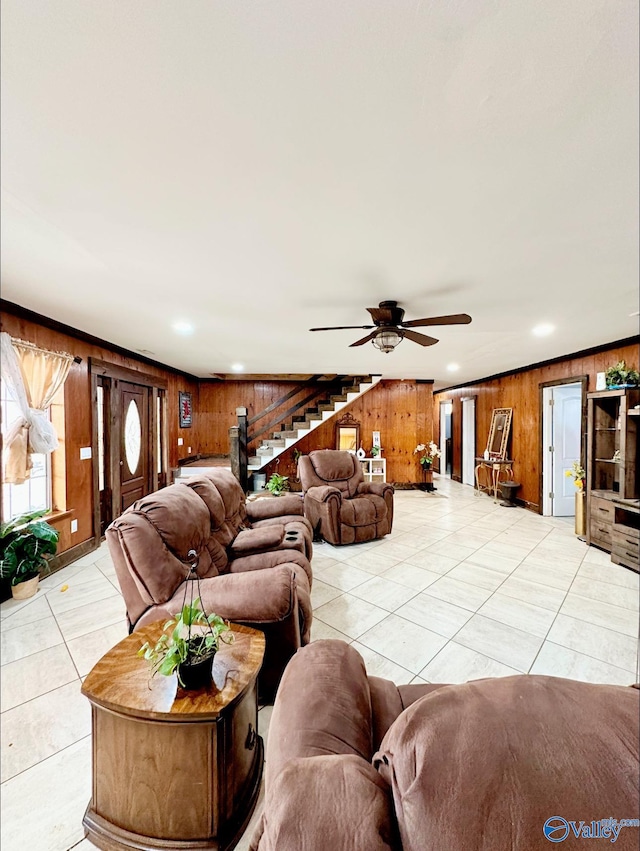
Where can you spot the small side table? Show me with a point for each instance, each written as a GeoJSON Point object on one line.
{"type": "Point", "coordinates": [496, 467]}
{"type": "Point", "coordinates": [172, 768]}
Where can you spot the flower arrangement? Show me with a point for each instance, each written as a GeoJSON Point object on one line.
{"type": "Point", "coordinates": [429, 452]}
{"type": "Point", "coordinates": [578, 474]}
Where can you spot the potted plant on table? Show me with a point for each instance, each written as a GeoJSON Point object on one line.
{"type": "Point", "coordinates": [188, 651]}
{"type": "Point", "coordinates": [429, 452]}
{"type": "Point", "coordinates": [26, 543]}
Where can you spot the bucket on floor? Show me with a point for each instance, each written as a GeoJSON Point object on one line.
{"type": "Point", "coordinates": [259, 481]}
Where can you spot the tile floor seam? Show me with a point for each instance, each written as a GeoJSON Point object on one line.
{"type": "Point", "coordinates": [41, 761]}
{"type": "Point", "coordinates": [582, 653]}
{"type": "Point", "coordinates": [42, 694]}
{"type": "Point", "coordinates": [555, 617]}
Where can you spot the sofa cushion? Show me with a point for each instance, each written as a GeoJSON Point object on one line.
{"type": "Point", "coordinates": [484, 765]}
{"type": "Point", "coordinates": [363, 511]}
{"type": "Point", "coordinates": [329, 802]}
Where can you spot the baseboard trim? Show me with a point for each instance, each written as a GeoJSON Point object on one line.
{"type": "Point", "coordinates": [73, 554]}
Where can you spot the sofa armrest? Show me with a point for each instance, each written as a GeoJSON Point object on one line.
{"type": "Point", "coordinates": [375, 488]}
{"type": "Point", "coordinates": [260, 509]}
{"type": "Point", "coordinates": [322, 493]}
{"type": "Point", "coordinates": [305, 722]}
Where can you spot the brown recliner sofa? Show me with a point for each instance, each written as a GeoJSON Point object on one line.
{"type": "Point", "coordinates": [253, 561]}
{"type": "Point", "coordinates": [341, 507]}
{"type": "Point", "coordinates": [356, 763]}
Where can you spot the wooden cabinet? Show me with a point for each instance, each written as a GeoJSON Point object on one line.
{"type": "Point", "coordinates": [611, 460]}
{"type": "Point", "coordinates": [174, 769]}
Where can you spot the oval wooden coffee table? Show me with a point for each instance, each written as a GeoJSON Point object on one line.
{"type": "Point", "coordinates": [171, 768]}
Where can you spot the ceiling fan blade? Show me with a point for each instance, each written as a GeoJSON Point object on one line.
{"type": "Point", "coordinates": [344, 328]}
{"type": "Point", "coordinates": [452, 319]}
{"type": "Point", "coordinates": [421, 339]}
{"type": "Point", "coordinates": [365, 339]}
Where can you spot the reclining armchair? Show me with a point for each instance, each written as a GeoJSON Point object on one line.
{"type": "Point", "coordinates": [341, 507]}
{"type": "Point", "coordinates": [252, 561]}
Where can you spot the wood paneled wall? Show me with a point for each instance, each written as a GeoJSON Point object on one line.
{"type": "Point", "coordinates": [521, 391]}
{"type": "Point", "coordinates": [78, 413]}
{"type": "Point", "coordinates": [218, 400]}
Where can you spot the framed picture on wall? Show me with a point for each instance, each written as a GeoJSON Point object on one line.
{"type": "Point", "coordinates": [186, 410]}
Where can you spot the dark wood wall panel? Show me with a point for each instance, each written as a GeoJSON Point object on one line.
{"type": "Point", "coordinates": [521, 391]}
{"type": "Point", "coordinates": [218, 402]}
{"type": "Point", "coordinates": [77, 407]}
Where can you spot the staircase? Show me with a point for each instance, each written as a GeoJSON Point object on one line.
{"type": "Point", "coordinates": [300, 426]}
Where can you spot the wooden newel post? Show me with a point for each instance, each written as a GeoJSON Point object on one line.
{"type": "Point", "coordinates": [242, 474]}
{"type": "Point", "coordinates": [234, 450]}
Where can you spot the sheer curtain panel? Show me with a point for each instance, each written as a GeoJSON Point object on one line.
{"type": "Point", "coordinates": [34, 376]}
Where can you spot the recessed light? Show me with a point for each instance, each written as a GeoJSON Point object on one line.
{"type": "Point", "coordinates": [183, 328]}
{"type": "Point", "coordinates": [543, 330]}
{"type": "Point", "coordinates": [453, 367]}
{"type": "Point", "coordinates": [237, 367]}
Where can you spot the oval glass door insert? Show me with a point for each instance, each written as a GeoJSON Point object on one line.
{"type": "Point", "coordinates": [132, 436]}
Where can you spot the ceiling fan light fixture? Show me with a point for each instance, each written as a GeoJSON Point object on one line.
{"type": "Point", "coordinates": [387, 340]}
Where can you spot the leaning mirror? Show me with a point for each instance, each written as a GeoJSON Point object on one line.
{"type": "Point", "coordinates": [499, 433]}
{"type": "Point", "coordinates": [347, 434]}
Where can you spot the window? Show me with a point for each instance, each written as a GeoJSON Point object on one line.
{"type": "Point", "coordinates": [35, 493]}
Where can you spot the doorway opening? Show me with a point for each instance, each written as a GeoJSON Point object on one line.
{"type": "Point", "coordinates": [446, 438]}
{"type": "Point", "coordinates": [468, 440]}
{"type": "Point", "coordinates": [563, 435]}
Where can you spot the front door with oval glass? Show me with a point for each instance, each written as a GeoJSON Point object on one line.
{"type": "Point", "coordinates": [134, 443]}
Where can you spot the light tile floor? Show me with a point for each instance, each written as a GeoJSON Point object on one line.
{"type": "Point", "coordinates": [461, 589]}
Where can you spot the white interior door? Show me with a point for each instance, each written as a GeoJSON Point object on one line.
{"type": "Point", "coordinates": [562, 426]}
{"type": "Point", "coordinates": [468, 441]}
{"type": "Point", "coordinates": [567, 421]}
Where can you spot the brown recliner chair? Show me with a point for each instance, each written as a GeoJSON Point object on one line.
{"type": "Point", "coordinates": [252, 559]}
{"type": "Point", "coordinates": [341, 507]}
{"type": "Point", "coordinates": [355, 762]}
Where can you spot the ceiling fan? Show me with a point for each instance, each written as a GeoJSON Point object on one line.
{"type": "Point", "coordinates": [389, 328]}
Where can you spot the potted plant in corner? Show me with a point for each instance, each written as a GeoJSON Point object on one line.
{"type": "Point", "coordinates": [188, 651]}
{"type": "Point", "coordinates": [278, 484]}
{"type": "Point", "coordinates": [26, 543]}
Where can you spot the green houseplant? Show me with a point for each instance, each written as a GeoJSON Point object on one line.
{"type": "Point", "coordinates": [26, 542]}
{"type": "Point", "coordinates": [622, 376]}
{"type": "Point", "coordinates": [186, 651]}
{"type": "Point", "coordinates": [278, 484]}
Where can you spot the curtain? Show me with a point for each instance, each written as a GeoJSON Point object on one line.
{"type": "Point", "coordinates": [34, 377]}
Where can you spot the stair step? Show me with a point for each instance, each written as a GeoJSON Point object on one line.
{"type": "Point", "coordinates": [285, 435]}
{"type": "Point", "coordinates": [263, 450]}
{"type": "Point", "coordinates": [273, 442]}
{"type": "Point", "coordinates": [335, 399]}
{"type": "Point", "coordinates": [254, 461]}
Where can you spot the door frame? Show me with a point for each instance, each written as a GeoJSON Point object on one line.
{"type": "Point", "coordinates": [543, 453]}
{"type": "Point", "coordinates": [115, 373]}
{"type": "Point", "coordinates": [464, 399]}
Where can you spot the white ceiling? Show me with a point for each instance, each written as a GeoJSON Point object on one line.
{"type": "Point", "coordinates": [260, 168]}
